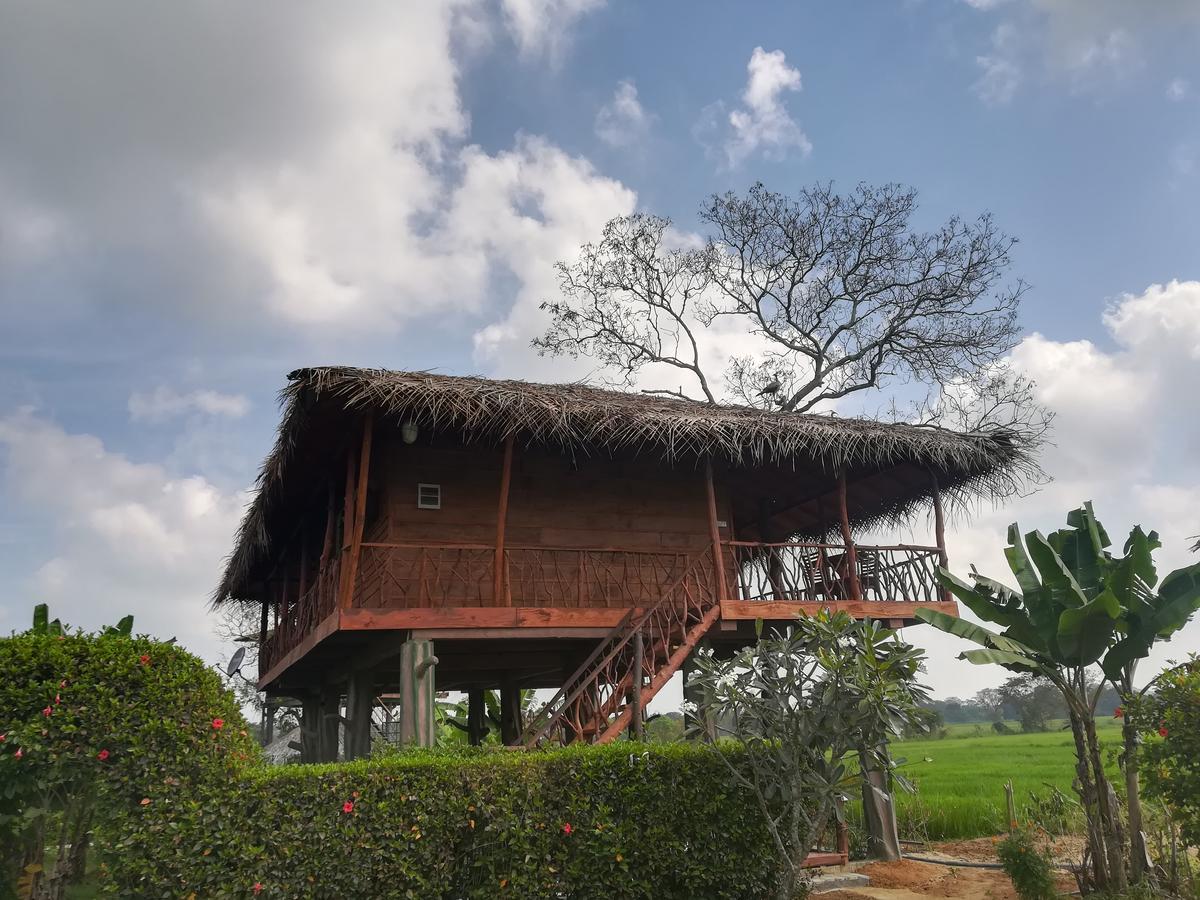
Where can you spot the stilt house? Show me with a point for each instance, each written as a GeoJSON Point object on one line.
{"type": "Point", "coordinates": [567, 537]}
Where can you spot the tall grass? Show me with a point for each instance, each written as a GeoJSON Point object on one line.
{"type": "Point", "coordinates": [960, 779]}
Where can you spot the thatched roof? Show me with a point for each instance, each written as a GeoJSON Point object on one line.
{"type": "Point", "coordinates": [584, 420]}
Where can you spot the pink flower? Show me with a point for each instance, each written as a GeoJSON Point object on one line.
{"type": "Point", "coordinates": [218, 724]}
{"type": "Point", "coordinates": [257, 888]}
{"type": "Point", "coordinates": [19, 753]}
{"type": "Point", "coordinates": [1118, 712]}
{"type": "Point", "coordinates": [46, 712]}
{"type": "Point", "coordinates": [57, 699]}
{"type": "Point", "coordinates": [567, 829]}
{"type": "Point", "coordinates": [62, 684]}
{"type": "Point", "coordinates": [102, 755]}
{"type": "Point", "coordinates": [348, 807]}
{"type": "Point", "coordinates": [3, 738]}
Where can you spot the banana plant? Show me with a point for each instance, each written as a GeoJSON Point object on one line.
{"type": "Point", "coordinates": [1077, 604]}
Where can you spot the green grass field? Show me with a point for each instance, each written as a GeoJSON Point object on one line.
{"type": "Point", "coordinates": [960, 778]}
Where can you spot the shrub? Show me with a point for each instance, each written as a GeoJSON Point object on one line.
{"type": "Point", "coordinates": [1030, 868]}
{"type": "Point", "coordinates": [589, 822]}
{"type": "Point", "coordinates": [1171, 720]}
{"type": "Point", "coordinates": [98, 725]}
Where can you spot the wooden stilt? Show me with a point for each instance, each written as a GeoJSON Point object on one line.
{"type": "Point", "coordinates": [851, 558]}
{"type": "Point", "coordinates": [360, 699]}
{"type": "Point", "coordinates": [268, 724]}
{"type": "Point", "coordinates": [939, 528]}
{"type": "Point", "coordinates": [476, 728]}
{"type": "Point", "coordinates": [417, 725]}
{"type": "Point", "coordinates": [715, 533]}
{"type": "Point", "coordinates": [511, 725]}
{"type": "Point", "coordinates": [499, 584]}
{"type": "Point", "coordinates": [310, 715]}
{"type": "Point", "coordinates": [327, 727]}
{"type": "Point", "coordinates": [638, 715]}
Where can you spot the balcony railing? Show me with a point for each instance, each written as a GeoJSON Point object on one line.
{"type": "Point", "coordinates": [420, 576]}
{"type": "Point", "coordinates": [802, 572]}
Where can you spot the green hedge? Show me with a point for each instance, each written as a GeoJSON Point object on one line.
{"type": "Point", "coordinates": [592, 822]}
{"type": "Point", "coordinates": [95, 727]}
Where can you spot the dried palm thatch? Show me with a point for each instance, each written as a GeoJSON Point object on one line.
{"type": "Point", "coordinates": [581, 419]}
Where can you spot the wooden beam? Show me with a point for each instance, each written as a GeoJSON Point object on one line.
{"type": "Point", "coordinates": [327, 627]}
{"type": "Point", "coordinates": [848, 540]}
{"type": "Point", "coordinates": [715, 533]}
{"type": "Point", "coordinates": [867, 609]}
{"type": "Point", "coordinates": [347, 526]}
{"type": "Point", "coordinates": [500, 583]}
{"type": "Point", "coordinates": [360, 509]}
{"type": "Point", "coordinates": [939, 528]}
{"type": "Point", "coordinates": [466, 617]}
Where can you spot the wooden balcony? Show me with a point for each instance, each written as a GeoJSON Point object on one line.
{"type": "Point", "coordinates": [460, 584]}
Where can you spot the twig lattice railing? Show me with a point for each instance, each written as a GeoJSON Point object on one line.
{"type": "Point", "coordinates": [804, 572]}
{"type": "Point", "coordinates": [300, 617]}
{"type": "Point", "coordinates": [637, 657]}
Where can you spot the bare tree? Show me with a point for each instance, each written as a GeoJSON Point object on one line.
{"type": "Point", "coordinates": [840, 293]}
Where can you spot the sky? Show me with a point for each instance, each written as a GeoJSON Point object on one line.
{"type": "Point", "coordinates": [197, 198]}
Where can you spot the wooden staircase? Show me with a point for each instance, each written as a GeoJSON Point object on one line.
{"type": "Point", "coordinates": [631, 664]}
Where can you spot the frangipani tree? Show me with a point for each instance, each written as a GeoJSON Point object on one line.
{"type": "Point", "coordinates": [1079, 605]}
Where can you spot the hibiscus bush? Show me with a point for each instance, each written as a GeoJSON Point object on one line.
{"type": "Point", "coordinates": [1170, 717]}
{"type": "Point", "coordinates": [589, 822]}
{"type": "Point", "coordinates": [93, 728]}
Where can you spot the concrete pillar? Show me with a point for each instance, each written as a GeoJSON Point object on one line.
{"type": "Point", "coordinates": [417, 714]}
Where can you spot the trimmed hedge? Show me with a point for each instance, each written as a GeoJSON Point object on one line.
{"type": "Point", "coordinates": [589, 822]}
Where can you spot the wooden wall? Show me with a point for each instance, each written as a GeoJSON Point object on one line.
{"type": "Point", "coordinates": [556, 509]}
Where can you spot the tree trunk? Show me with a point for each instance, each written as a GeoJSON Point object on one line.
{"type": "Point", "coordinates": [1139, 857]}
{"type": "Point", "coordinates": [1087, 795]}
{"type": "Point", "coordinates": [1108, 815]}
{"type": "Point", "coordinates": [879, 811]}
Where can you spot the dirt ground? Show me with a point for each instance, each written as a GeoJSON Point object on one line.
{"type": "Point", "coordinates": [908, 878]}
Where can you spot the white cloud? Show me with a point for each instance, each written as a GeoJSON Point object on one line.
{"type": "Point", "coordinates": [164, 403]}
{"type": "Point", "coordinates": [292, 165]}
{"type": "Point", "coordinates": [623, 121]}
{"type": "Point", "coordinates": [1124, 438]}
{"type": "Point", "coordinates": [762, 124]}
{"type": "Point", "coordinates": [1001, 71]}
{"type": "Point", "coordinates": [1178, 89]}
{"type": "Point", "coordinates": [128, 537]}
{"type": "Point", "coordinates": [542, 26]}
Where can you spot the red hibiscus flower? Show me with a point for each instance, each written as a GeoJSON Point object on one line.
{"type": "Point", "coordinates": [1162, 731]}
{"type": "Point", "coordinates": [62, 684]}
{"type": "Point", "coordinates": [348, 806]}
{"type": "Point", "coordinates": [46, 712]}
{"type": "Point", "coordinates": [1119, 712]}
{"type": "Point", "coordinates": [257, 888]}
{"type": "Point", "coordinates": [57, 699]}
{"type": "Point", "coordinates": [144, 659]}
{"type": "Point", "coordinates": [102, 755]}
{"type": "Point", "coordinates": [218, 724]}
{"type": "Point", "coordinates": [19, 753]}
{"type": "Point", "coordinates": [3, 738]}
{"type": "Point", "coordinates": [567, 829]}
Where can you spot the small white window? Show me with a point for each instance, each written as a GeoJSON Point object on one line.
{"type": "Point", "coordinates": [429, 496]}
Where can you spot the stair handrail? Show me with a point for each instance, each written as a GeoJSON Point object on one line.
{"type": "Point", "coordinates": [624, 630]}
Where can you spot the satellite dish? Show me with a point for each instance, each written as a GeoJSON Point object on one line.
{"type": "Point", "coordinates": [235, 662]}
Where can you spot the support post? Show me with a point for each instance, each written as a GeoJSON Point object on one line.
{"type": "Point", "coordinates": [476, 728]}
{"type": "Point", "coordinates": [637, 720]}
{"type": "Point", "coordinates": [939, 529]}
{"type": "Point", "coordinates": [511, 725]}
{"type": "Point", "coordinates": [262, 627]}
{"type": "Point", "coordinates": [693, 721]}
{"type": "Point", "coordinates": [851, 554]}
{"type": "Point", "coordinates": [360, 698]}
{"type": "Point", "coordinates": [715, 533]}
{"type": "Point", "coordinates": [310, 715]}
{"type": "Point", "coordinates": [268, 723]}
{"type": "Point", "coordinates": [499, 593]}
{"type": "Point", "coordinates": [417, 663]}
{"type": "Point", "coordinates": [327, 727]}
{"type": "Point", "coordinates": [360, 510]}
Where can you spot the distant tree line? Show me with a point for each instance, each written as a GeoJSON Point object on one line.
{"type": "Point", "coordinates": [1033, 702]}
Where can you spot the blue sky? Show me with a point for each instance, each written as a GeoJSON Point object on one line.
{"type": "Point", "coordinates": [195, 199]}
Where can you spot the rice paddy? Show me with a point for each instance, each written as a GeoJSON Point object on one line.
{"type": "Point", "coordinates": [960, 778]}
